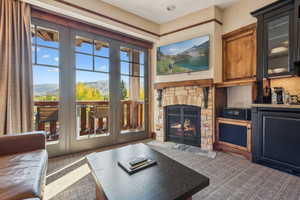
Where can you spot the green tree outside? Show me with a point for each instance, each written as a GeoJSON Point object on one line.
{"type": "Point", "coordinates": [83, 93]}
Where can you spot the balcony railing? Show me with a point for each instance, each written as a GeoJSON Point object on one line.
{"type": "Point", "coordinates": [92, 117]}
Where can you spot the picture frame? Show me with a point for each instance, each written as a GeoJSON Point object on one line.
{"type": "Point", "coordinates": [184, 57]}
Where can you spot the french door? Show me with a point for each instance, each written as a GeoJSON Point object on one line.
{"type": "Point", "coordinates": [89, 91]}
{"type": "Point", "coordinates": [131, 103]}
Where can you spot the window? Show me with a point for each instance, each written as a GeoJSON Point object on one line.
{"type": "Point", "coordinates": [132, 89]}
{"type": "Point", "coordinates": [77, 88]}
{"type": "Point", "coordinates": [92, 86]}
{"type": "Point", "coordinates": [46, 90]}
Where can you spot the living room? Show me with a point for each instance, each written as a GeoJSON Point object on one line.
{"type": "Point", "coordinates": [109, 99]}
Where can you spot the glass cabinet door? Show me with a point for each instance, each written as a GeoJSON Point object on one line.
{"type": "Point", "coordinates": [278, 56]}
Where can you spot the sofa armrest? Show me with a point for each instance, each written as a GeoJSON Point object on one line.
{"type": "Point", "coordinates": [23, 142]}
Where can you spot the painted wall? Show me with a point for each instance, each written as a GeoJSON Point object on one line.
{"type": "Point", "coordinates": [105, 9]}
{"type": "Point", "coordinates": [233, 17]}
{"type": "Point", "coordinates": [190, 19]}
{"type": "Point", "coordinates": [238, 15]}
{"type": "Point", "coordinates": [239, 96]}
{"type": "Point", "coordinates": [212, 29]}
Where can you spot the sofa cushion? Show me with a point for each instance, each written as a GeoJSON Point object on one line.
{"type": "Point", "coordinates": [23, 175]}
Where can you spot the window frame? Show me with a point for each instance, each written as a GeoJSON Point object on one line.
{"type": "Point", "coordinates": [67, 110]}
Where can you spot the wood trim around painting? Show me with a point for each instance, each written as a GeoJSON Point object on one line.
{"type": "Point", "coordinates": [136, 27]}
{"type": "Point", "coordinates": [201, 82]}
{"type": "Point", "coordinates": [71, 23]}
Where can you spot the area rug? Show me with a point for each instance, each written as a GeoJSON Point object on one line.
{"type": "Point", "coordinates": [185, 148]}
{"type": "Point", "coordinates": [231, 177]}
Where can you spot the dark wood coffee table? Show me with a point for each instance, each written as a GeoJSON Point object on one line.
{"type": "Point", "coordinates": [167, 180]}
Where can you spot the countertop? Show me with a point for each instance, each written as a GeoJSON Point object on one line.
{"type": "Point", "coordinates": [276, 106]}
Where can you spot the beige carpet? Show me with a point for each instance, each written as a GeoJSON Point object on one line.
{"type": "Point", "coordinates": [231, 178]}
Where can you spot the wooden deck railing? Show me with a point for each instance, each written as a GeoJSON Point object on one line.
{"type": "Point", "coordinates": [93, 115]}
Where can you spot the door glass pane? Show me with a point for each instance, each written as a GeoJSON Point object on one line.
{"type": "Point", "coordinates": [124, 88]}
{"type": "Point", "coordinates": [47, 56]}
{"type": "Point", "coordinates": [83, 45]}
{"type": "Point", "coordinates": [132, 91]}
{"type": "Point", "coordinates": [101, 64]}
{"type": "Point", "coordinates": [46, 90]}
{"type": "Point", "coordinates": [33, 54]}
{"type": "Point", "coordinates": [84, 61]}
{"type": "Point", "coordinates": [92, 93]}
{"type": "Point", "coordinates": [142, 67]}
{"type": "Point", "coordinates": [101, 48]}
{"type": "Point", "coordinates": [125, 54]}
{"type": "Point", "coordinates": [47, 37]}
{"type": "Point", "coordinates": [125, 68]}
{"type": "Point", "coordinates": [278, 45]}
{"type": "Point", "coordinates": [142, 57]}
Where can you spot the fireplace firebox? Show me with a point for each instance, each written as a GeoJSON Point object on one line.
{"type": "Point", "coordinates": [183, 124]}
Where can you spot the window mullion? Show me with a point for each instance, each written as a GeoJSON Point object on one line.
{"type": "Point", "coordinates": [35, 45]}
{"type": "Point", "coordinates": [93, 52]}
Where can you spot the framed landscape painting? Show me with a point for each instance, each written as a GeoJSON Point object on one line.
{"type": "Point", "coordinates": [186, 56]}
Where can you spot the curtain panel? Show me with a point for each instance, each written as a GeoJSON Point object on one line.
{"type": "Point", "coordinates": [16, 103]}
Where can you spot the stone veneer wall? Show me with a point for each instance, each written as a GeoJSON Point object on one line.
{"type": "Point", "coordinates": [189, 95]}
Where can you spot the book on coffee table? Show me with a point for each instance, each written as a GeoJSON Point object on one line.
{"type": "Point", "coordinates": [136, 164]}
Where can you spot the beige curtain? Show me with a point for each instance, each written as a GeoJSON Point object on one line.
{"type": "Point", "coordinates": [15, 67]}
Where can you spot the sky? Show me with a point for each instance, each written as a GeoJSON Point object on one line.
{"type": "Point", "coordinates": [179, 47]}
{"type": "Point", "coordinates": [50, 56]}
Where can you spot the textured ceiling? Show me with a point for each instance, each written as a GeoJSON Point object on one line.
{"type": "Point", "coordinates": [156, 10]}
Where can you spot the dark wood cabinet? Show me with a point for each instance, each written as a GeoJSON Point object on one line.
{"type": "Point", "coordinates": [277, 42]}
{"type": "Point", "coordinates": [276, 138]}
{"type": "Point", "coordinates": [297, 37]}
{"type": "Point", "coordinates": [275, 39]}
{"type": "Point", "coordinates": [296, 32]}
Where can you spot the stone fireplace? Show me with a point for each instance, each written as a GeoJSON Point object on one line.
{"type": "Point", "coordinates": [187, 96]}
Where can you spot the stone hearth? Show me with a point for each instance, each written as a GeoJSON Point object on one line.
{"type": "Point", "coordinates": [188, 95]}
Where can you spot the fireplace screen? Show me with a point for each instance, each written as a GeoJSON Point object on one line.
{"type": "Point", "coordinates": [183, 124]}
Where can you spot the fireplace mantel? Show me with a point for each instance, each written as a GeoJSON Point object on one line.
{"type": "Point", "coordinates": [200, 82]}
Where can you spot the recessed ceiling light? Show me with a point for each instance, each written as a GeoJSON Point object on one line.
{"type": "Point", "coordinates": [171, 7]}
